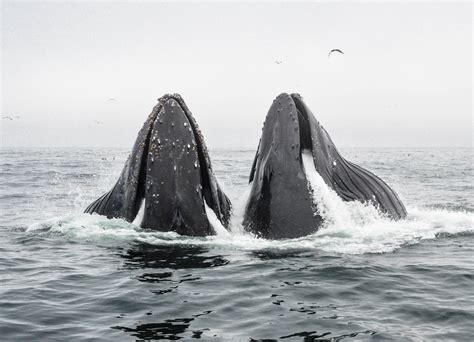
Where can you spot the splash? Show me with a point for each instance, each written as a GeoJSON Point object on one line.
{"type": "Point", "coordinates": [356, 228]}
{"type": "Point", "coordinates": [350, 227]}
{"type": "Point", "coordinates": [141, 214]}
{"type": "Point", "coordinates": [215, 223]}
{"type": "Point", "coordinates": [378, 236]}
{"type": "Point", "coordinates": [334, 211]}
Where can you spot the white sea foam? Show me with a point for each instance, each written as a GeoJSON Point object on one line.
{"type": "Point", "coordinates": [140, 215]}
{"type": "Point", "coordinates": [215, 223]}
{"type": "Point", "coordinates": [334, 211]}
{"type": "Point", "coordinates": [350, 227]}
{"type": "Point", "coordinates": [377, 236]}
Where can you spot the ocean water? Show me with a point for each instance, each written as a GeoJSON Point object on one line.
{"type": "Point", "coordinates": [65, 275]}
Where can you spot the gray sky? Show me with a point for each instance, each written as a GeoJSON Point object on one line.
{"type": "Point", "coordinates": [405, 78]}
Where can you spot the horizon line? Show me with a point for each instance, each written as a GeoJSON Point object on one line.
{"type": "Point", "coordinates": [225, 148]}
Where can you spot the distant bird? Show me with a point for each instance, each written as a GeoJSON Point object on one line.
{"type": "Point", "coordinates": [111, 98]}
{"type": "Point", "coordinates": [98, 122]}
{"type": "Point", "coordinates": [278, 62]}
{"type": "Point", "coordinates": [334, 50]}
{"type": "Point", "coordinates": [12, 117]}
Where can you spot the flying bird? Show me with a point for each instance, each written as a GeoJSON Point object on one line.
{"type": "Point", "coordinates": [98, 122]}
{"type": "Point", "coordinates": [11, 117]}
{"type": "Point", "coordinates": [278, 62]}
{"type": "Point", "coordinates": [334, 50]}
{"type": "Point", "coordinates": [111, 98]}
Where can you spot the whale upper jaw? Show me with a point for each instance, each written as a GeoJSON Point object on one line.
{"type": "Point", "coordinates": [286, 133]}
{"type": "Point", "coordinates": [169, 175]}
{"type": "Point", "coordinates": [280, 204]}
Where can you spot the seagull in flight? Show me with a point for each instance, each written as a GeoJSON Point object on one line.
{"type": "Point", "coordinates": [334, 50]}
{"type": "Point", "coordinates": [11, 118]}
{"type": "Point", "coordinates": [278, 62]}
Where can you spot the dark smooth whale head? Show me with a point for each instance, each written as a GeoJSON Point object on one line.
{"type": "Point", "coordinates": [281, 201]}
{"type": "Point", "coordinates": [168, 176]}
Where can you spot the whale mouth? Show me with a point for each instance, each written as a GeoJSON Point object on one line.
{"type": "Point", "coordinates": [178, 178]}
{"type": "Point", "coordinates": [294, 151]}
{"type": "Point", "coordinates": [167, 177]}
{"type": "Point", "coordinates": [304, 127]}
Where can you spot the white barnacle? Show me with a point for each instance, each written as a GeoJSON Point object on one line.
{"type": "Point", "coordinates": [185, 124]}
{"type": "Point", "coordinates": [195, 165]}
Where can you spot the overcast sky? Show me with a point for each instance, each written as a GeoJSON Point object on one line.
{"type": "Point", "coordinates": [89, 73]}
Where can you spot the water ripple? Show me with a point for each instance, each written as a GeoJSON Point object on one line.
{"type": "Point", "coordinates": [69, 276]}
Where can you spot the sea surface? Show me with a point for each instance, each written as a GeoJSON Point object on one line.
{"type": "Point", "coordinates": [69, 276]}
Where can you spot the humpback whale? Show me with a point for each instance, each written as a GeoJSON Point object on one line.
{"type": "Point", "coordinates": [168, 177]}
{"type": "Point", "coordinates": [280, 203]}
